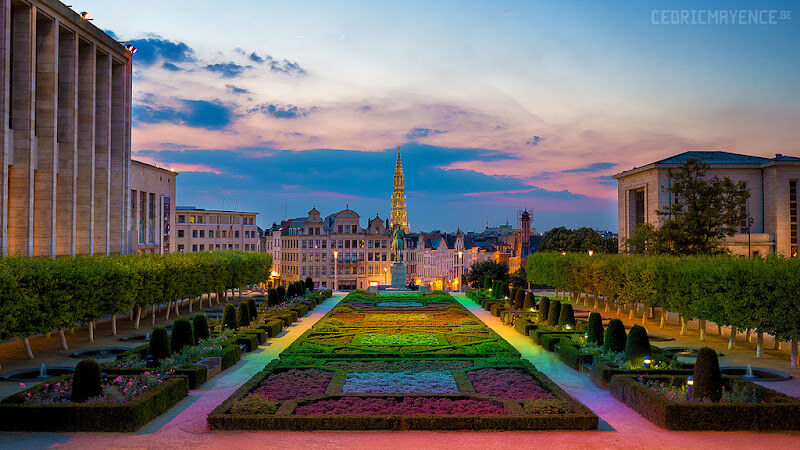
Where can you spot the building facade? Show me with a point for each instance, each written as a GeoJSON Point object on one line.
{"type": "Point", "coordinates": [198, 230]}
{"type": "Point", "coordinates": [151, 211]}
{"type": "Point", "coordinates": [771, 208]}
{"type": "Point", "coordinates": [65, 133]}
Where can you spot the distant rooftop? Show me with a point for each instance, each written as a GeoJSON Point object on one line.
{"type": "Point", "coordinates": [714, 158]}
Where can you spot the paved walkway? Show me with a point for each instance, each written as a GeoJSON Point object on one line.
{"type": "Point", "coordinates": [185, 425]}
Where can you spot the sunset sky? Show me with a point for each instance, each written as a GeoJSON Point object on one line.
{"type": "Point", "coordinates": [495, 105]}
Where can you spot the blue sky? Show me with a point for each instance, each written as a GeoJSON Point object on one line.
{"type": "Point", "coordinates": [496, 105]}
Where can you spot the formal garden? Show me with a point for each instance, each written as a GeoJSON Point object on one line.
{"type": "Point", "coordinates": [418, 361]}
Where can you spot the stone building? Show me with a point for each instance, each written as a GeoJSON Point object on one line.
{"type": "Point", "coordinates": [65, 133]}
{"type": "Point", "coordinates": [152, 209]}
{"type": "Point", "coordinates": [197, 230]}
{"type": "Point", "coordinates": [772, 206]}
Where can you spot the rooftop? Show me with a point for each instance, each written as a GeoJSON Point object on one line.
{"type": "Point", "coordinates": [714, 158]}
{"type": "Point", "coordinates": [223, 211]}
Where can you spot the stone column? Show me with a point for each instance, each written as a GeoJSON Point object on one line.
{"type": "Point", "coordinates": [45, 123]}
{"type": "Point", "coordinates": [85, 185]}
{"type": "Point", "coordinates": [67, 142]}
{"type": "Point", "coordinates": [5, 135]}
{"type": "Point", "coordinates": [102, 154]}
{"type": "Point", "coordinates": [20, 172]}
{"type": "Point", "coordinates": [119, 167]}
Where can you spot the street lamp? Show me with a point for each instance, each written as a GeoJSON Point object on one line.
{"type": "Point", "coordinates": [749, 224]}
{"type": "Point", "coordinates": [591, 252]}
{"type": "Point", "coordinates": [335, 270]}
{"type": "Point", "coordinates": [384, 275]}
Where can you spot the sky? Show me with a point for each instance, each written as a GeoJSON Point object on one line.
{"type": "Point", "coordinates": [278, 107]}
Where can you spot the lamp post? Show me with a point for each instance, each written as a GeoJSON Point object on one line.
{"type": "Point", "coordinates": [749, 224]}
{"type": "Point", "coordinates": [384, 275]}
{"type": "Point", "coordinates": [335, 270]}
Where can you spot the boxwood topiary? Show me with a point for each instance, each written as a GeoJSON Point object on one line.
{"type": "Point", "coordinates": [595, 331]}
{"type": "Point", "coordinates": [552, 313]}
{"type": "Point", "coordinates": [707, 377]}
{"type": "Point", "coordinates": [614, 339]}
{"type": "Point", "coordinates": [159, 344]}
{"type": "Point", "coordinates": [519, 299]}
{"type": "Point", "coordinates": [504, 291]}
{"type": "Point", "coordinates": [544, 308]}
{"type": "Point", "coordinates": [281, 293]}
{"type": "Point", "coordinates": [182, 334]}
{"type": "Point", "coordinates": [528, 302]}
{"type": "Point", "coordinates": [272, 297]}
{"type": "Point", "coordinates": [251, 304]}
{"type": "Point", "coordinates": [291, 291]}
{"type": "Point", "coordinates": [243, 315]}
{"type": "Point", "coordinates": [309, 283]}
{"type": "Point", "coordinates": [229, 317]}
{"type": "Point", "coordinates": [487, 282]}
{"type": "Point", "coordinates": [566, 316]}
{"type": "Point", "coordinates": [200, 326]}
{"type": "Point", "coordinates": [637, 345]}
{"type": "Point", "coordinates": [87, 381]}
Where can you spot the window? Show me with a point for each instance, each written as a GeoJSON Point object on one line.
{"type": "Point", "coordinates": [142, 216]}
{"type": "Point", "coordinates": [211, 234]}
{"type": "Point", "coordinates": [180, 233]}
{"type": "Point", "coordinates": [194, 247]}
{"type": "Point", "coordinates": [217, 246]}
{"type": "Point", "coordinates": [202, 247]}
{"type": "Point", "coordinates": [236, 233]}
{"type": "Point", "coordinates": [355, 243]}
{"type": "Point", "coordinates": [638, 206]}
{"type": "Point", "coordinates": [369, 243]}
{"type": "Point", "coordinates": [181, 218]}
{"type": "Point", "coordinates": [324, 243]}
{"type": "Point", "coordinates": [194, 233]}
{"type": "Point", "coordinates": [237, 246]}
{"type": "Point", "coordinates": [180, 248]}
{"type": "Point", "coordinates": [340, 229]}
{"type": "Point", "coordinates": [355, 229]}
{"type": "Point", "coordinates": [203, 234]}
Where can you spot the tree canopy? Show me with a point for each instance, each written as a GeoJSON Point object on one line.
{"type": "Point", "coordinates": [479, 271]}
{"type": "Point", "coordinates": [582, 240]}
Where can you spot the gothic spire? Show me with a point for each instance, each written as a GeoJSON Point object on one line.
{"type": "Point", "coordinates": [397, 215]}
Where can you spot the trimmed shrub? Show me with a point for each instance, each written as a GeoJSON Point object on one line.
{"type": "Point", "coordinates": [87, 381]}
{"type": "Point", "coordinates": [552, 313]}
{"type": "Point", "coordinates": [272, 297]}
{"type": "Point", "coordinates": [529, 301]}
{"type": "Point", "coordinates": [637, 345]}
{"type": "Point", "coordinates": [309, 283]}
{"type": "Point", "coordinates": [566, 316]}
{"type": "Point", "coordinates": [200, 326]}
{"type": "Point", "coordinates": [281, 293]}
{"type": "Point", "coordinates": [251, 305]}
{"type": "Point", "coordinates": [595, 330]}
{"type": "Point", "coordinates": [614, 339]}
{"type": "Point", "coordinates": [291, 291]}
{"type": "Point", "coordinates": [519, 299]}
{"type": "Point", "coordinates": [243, 315]}
{"type": "Point", "coordinates": [159, 344]}
{"type": "Point", "coordinates": [229, 317]}
{"type": "Point", "coordinates": [544, 308]}
{"type": "Point", "coordinates": [504, 291]}
{"type": "Point", "coordinates": [487, 282]}
{"type": "Point", "coordinates": [273, 327]}
{"type": "Point", "coordinates": [707, 377]}
{"type": "Point", "coordinates": [182, 334]}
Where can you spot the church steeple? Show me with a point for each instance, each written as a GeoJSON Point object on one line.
{"type": "Point", "coordinates": [397, 215]}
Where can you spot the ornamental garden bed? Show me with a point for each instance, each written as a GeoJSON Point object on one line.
{"type": "Point", "coordinates": [46, 407]}
{"type": "Point", "coordinates": [448, 373]}
{"type": "Point", "coordinates": [744, 406]}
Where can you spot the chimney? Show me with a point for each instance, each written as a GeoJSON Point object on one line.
{"type": "Point", "coordinates": [778, 155]}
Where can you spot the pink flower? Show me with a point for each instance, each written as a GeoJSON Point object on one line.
{"type": "Point", "coordinates": [22, 385]}
{"type": "Point", "coordinates": [125, 391]}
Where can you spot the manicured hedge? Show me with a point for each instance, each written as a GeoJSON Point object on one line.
{"type": "Point", "coordinates": [780, 412]}
{"type": "Point", "coordinates": [260, 335]}
{"type": "Point", "coordinates": [757, 294]}
{"type": "Point", "coordinates": [250, 341]}
{"type": "Point", "coordinates": [603, 373]}
{"type": "Point", "coordinates": [524, 326]}
{"type": "Point", "coordinates": [130, 416]}
{"type": "Point", "coordinates": [273, 327]}
{"type": "Point", "coordinates": [570, 353]}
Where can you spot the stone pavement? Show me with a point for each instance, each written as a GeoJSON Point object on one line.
{"type": "Point", "coordinates": [185, 425]}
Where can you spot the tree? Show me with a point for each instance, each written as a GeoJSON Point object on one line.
{"type": "Point", "coordinates": [643, 240]}
{"type": "Point", "coordinates": [702, 212]}
{"type": "Point", "coordinates": [562, 239]}
{"type": "Point", "coordinates": [480, 270]}
{"type": "Point", "coordinates": [519, 278]}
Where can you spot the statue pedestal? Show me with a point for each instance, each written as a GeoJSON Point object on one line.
{"type": "Point", "coordinates": [398, 275]}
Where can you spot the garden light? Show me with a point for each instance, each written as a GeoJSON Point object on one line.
{"type": "Point", "coordinates": [591, 252]}
{"type": "Point", "coordinates": [689, 384]}
{"type": "Point", "coordinates": [647, 362]}
{"type": "Point", "coordinates": [568, 327]}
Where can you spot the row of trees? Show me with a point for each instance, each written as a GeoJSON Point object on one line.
{"type": "Point", "coordinates": [746, 294]}
{"type": "Point", "coordinates": [41, 295]}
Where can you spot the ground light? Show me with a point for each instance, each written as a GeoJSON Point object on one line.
{"type": "Point", "coordinates": [647, 362]}
{"type": "Point", "coordinates": [689, 384]}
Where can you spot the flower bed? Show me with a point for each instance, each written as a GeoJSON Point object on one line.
{"type": "Point", "coordinates": [407, 382]}
{"type": "Point", "coordinates": [399, 406]}
{"type": "Point", "coordinates": [295, 383]}
{"type": "Point", "coordinates": [514, 384]}
{"type": "Point", "coordinates": [398, 339]}
{"type": "Point", "coordinates": [397, 317]}
{"type": "Point", "coordinates": [749, 406]}
{"type": "Point", "coordinates": [448, 373]}
{"type": "Point", "coordinates": [45, 408]}
{"type": "Point", "coordinates": [398, 304]}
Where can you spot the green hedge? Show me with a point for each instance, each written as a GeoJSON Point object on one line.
{"type": "Point", "coordinates": [570, 353]}
{"type": "Point", "coordinates": [231, 354]}
{"type": "Point", "coordinates": [524, 326]}
{"type": "Point", "coordinates": [273, 327]}
{"type": "Point", "coordinates": [130, 416]}
{"type": "Point", "coordinates": [779, 412]}
{"type": "Point", "coordinates": [261, 335]}
{"type": "Point", "coordinates": [301, 310]}
{"type": "Point", "coordinates": [38, 295]}
{"type": "Point", "coordinates": [250, 341]}
{"type": "Point", "coordinates": [757, 294]}
{"type": "Point", "coordinates": [549, 341]}
{"type": "Point", "coordinates": [603, 372]}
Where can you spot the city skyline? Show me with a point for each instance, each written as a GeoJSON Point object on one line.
{"type": "Point", "coordinates": [494, 106]}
